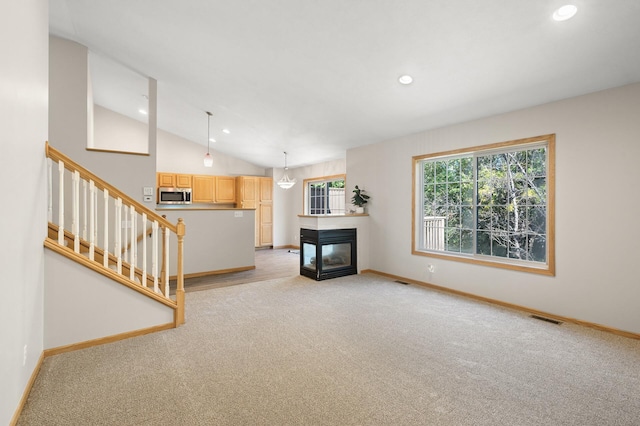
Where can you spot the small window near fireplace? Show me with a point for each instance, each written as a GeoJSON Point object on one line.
{"type": "Point", "coordinates": [325, 196]}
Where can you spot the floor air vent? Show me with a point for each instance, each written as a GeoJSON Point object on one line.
{"type": "Point", "coordinates": [552, 321]}
{"type": "Point", "coordinates": [401, 282]}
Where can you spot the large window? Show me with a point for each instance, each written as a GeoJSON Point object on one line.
{"type": "Point", "coordinates": [490, 205]}
{"type": "Point", "coordinates": [325, 195]}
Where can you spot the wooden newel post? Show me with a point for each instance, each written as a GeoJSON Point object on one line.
{"type": "Point", "coordinates": [180, 231]}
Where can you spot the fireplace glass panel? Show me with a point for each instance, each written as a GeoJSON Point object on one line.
{"type": "Point", "coordinates": [309, 256]}
{"type": "Point", "coordinates": [336, 255]}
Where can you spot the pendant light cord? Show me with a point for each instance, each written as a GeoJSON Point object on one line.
{"type": "Point", "coordinates": [208, 130]}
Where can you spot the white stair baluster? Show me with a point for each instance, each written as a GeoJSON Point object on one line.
{"type": "Point", "coordinates": [61, 203]}
{"type": "Point", "coordinates": [125, 240]}
{"type": "Point", "coordinates": [84, 210]}
{"type": "Point", "coordinates": [92, 216]}
{"type": "Point", "coordinates": [75, 224]}
{"type": "Point", "coordinates": [50, 194]}
{"type": "Point", "coordinates": [166, 263]}
{"type": "Point", "coordinates": [105, 246]}
{"type": "Point", "coordinates": [96, 223]}
{"type": "Point", "coordinates": [133, 260]}
{"type": "Point", "coordinates": [118, 232]}
{"type": "Point", "coordinates": [154, 255]}
{"type": "Point", "coordinates": [144, 250]}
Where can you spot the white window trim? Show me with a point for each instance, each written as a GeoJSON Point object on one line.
{"type": "Point", "coordinates": [305, 192]}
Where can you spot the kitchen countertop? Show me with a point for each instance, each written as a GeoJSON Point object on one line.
{"type": "Point", "coordinates": [183, 207]}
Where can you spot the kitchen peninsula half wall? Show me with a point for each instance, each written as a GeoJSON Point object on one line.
{"type": "Point", "coordinates": [216, 240]}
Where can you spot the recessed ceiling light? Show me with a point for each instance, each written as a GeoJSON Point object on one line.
{"type": "Point", "coordinates": [405, 79]}
{"type": "Point", "coordinates": [212, 140]}
{"type": "Point", "coordinates": [227, 131]}
{"type": "Point", "coordinates": [565, 12]}
{"type": "Point", "coordinates": [143, 112]}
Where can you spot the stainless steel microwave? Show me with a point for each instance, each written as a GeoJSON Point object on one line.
{"type": "Point", "coordinates": [174, 195]}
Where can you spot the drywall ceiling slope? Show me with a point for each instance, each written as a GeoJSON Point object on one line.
{"type": "Point", "coordinates": [317, 78]}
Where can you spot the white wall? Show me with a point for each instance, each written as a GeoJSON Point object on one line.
{"type": "Point", "coordinates": [117, 132]}
{"type": "Point", "coordinates": [179, 155]}
{"type": "Point", "coordinates": [288, 204]}
{"type": "Point", "coordinates": [69, 123]}
{"type": "Point", "coordinates": [597, 237]}
{"type": "Point", "coordinates": [81, 305]}
{"type": "Point", "coordinates": [113, 131]}
{"type": "Point", "coordinates": [23, 132]}
{"type": "Point", "coordinates": [214, 239]}
{"type": "Point", "coordinates": [285, 210]}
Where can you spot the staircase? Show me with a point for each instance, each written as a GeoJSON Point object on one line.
{"type": "Point", "coordinates": [93, 224]}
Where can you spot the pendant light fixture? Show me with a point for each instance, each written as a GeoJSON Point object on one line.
{"type": "Point", "coordinates": [208, 159]}
{"type": "Point", "coordinates": [285, 182]}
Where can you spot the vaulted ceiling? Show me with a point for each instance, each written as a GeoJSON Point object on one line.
{"type": "Point", "coordinates": [315, 78]}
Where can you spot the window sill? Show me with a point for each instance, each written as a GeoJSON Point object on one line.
{"type": "Point", "coordinates": [543, 269]}
{"type": "Point", "coordinates": [333, 215]}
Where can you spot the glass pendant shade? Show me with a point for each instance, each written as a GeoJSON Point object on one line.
{"type": "Point", "coordinates": [208, 160]}
{"type": "Point", "coordinates": [285, 182]}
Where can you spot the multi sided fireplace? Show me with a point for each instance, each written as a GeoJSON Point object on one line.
{"type": "Point", "coordinates": [327, 253]}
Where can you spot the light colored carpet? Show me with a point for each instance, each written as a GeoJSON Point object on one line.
{"type": "Point", "coordinates": [358, 350]}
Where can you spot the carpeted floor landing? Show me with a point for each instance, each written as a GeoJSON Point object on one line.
{"type": "Point", "coordinates": [358, 350]}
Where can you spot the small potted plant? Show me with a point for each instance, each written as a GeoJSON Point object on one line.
{"type": "Point", "coordinates": [359, 199]}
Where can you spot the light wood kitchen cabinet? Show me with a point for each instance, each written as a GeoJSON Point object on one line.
{"type": "Point", "coordinates": [173, 180]}
{"type": "Point", "coordinates": [247, 192]}
{"type": "Point", "coordinates": [166, 180]}
{"type": "Point", "coordinates": [183, 181]}
{"type": "Point", "coordinates": [266, 224]}
{"type": "Point", "coordinates": [203, 189]}
{"type": "Point", "coordinates": [225, 189]}
{"type": "Point", "coordinates": [266, 211]}
{"type": "Point", "coordinates": [266, 189]}
{"type": "Point", "coordinates": [254, 192]}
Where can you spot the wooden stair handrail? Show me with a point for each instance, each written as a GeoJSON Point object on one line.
{"type": "Point", "coordinates": [178, 229]}
{"type": "Point", "coordinates": [71, 165]}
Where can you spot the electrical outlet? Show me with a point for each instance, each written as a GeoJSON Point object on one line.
{"type": "Point", "coordinates": [238, 214]}
{"type": "Point", "coordinates": [431, 269]}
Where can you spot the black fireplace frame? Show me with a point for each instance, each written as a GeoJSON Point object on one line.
{"type": "Point", "coordinates": [327, 237]}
